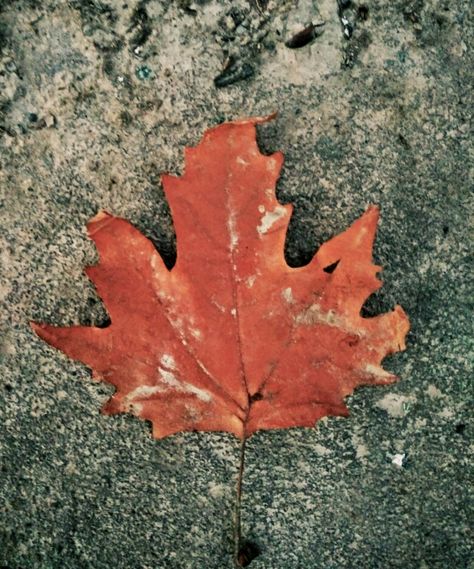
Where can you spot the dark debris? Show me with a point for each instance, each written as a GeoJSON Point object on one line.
{"type": "Point", "coordinates": [234, 71]}
{"type": "Point", "coordinates": [243, 36]}
{"type": "Point", "coordinates": [248, 552]}
{"type": "Point", "coordinates": [305, 36]}
{"type": "Point", "coordinates": [353, 48]}
{"type": "Point", "coordinates": [140, 23]}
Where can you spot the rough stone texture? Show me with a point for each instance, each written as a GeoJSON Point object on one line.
{"type": "Point", "coordinates": [96, 99]}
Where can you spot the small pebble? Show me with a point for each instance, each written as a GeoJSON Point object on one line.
{"type": "Point", "coordinates": [143, 72]}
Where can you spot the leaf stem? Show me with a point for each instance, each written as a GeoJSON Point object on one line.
{"type": "Point", "coordinates": [238, 502]}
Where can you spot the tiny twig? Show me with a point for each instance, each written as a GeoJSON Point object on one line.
{"type": "Point", "coordinates": [238, 502]}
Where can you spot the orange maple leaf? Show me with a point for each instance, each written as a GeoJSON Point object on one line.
{"type": "Point", "coordinates": [232, 338]}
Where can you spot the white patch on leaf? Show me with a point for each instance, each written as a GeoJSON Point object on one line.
{"type": "Point", "coordinates": [378, 371]}
{"type": "Point", "coordinates": [200, 393]}
{"type": "Point", "coordinates": [168, 377]}
{"type": "Point", "coordinates": [168, 361]}
{"type": "Point", "coordinates": [169, 381]}
{"type": "Point", "coordinates": [218, 306]}
{"type": "Point", "coordinates": [251, 281]}
{"type": "Point", "coordinates": [272, 164]}
{"type": "Point", "coordinates": [287, 294]}
{"type": "Point", "coordinates": [183, 386]}
{"type": "Point", "coordinates": [145, 391]}
{"type": "Point", "coordinates": [313, 314]}
{"type": "Point", "coordinates": [270, 218]}
{"type": "Point", "coordinates": [232, 227]}
{"type": "Point", "coordinates": [196, 333]}
{"type": "Point", "coordinates": [135, 408]}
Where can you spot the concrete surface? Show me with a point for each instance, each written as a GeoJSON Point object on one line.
{"type": "Point", "coordinates": [96, 99]}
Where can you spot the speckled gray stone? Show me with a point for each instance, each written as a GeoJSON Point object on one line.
{"type": "Point", "coordinates": [97, 98]}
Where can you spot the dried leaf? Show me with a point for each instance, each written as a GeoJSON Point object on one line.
{"type": "Point", "coordinates": [232, 338]}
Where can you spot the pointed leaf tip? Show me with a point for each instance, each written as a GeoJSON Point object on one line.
{"type": "Point", "coordinates": [98, 222]}
{"type": "Point", "coordinates": [36, 327]}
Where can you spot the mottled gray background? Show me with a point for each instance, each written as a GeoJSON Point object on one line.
{"type": "Point", "coordinates": [97, 97]}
